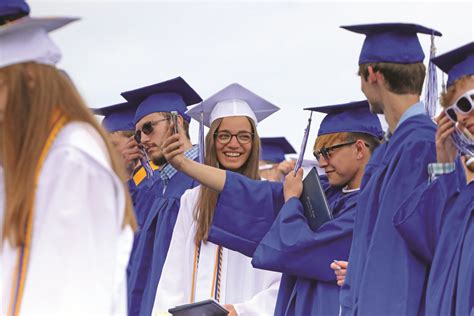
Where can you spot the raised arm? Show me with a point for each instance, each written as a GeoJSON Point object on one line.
{"type": "Point", "coordinates": [208, 176]}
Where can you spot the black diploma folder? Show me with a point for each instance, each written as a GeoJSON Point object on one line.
{"type": "Point", "coordinates": [315, 205]}
{"type": "Point", "coordinates": [202, 308]}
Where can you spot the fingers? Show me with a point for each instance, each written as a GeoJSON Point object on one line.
{"type": "Point", "coordinates": [170, 140]}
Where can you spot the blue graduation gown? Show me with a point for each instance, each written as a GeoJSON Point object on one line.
{"type": "Point", "coordinates": [286, 243]}
{"type": "Point", "coordinates": [153, 245]}
{"type": "Point", "coordinates": [437, 223]}
{"type": "Point", "coordinates": [384, 277]}
{"type": "Point", "coordinates": [143, 194]}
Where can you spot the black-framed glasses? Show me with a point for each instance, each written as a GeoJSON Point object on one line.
{"type": "Point", "coordinates": [326, 151]}
{"type": "Point", "coordinates": [463, 105]}
{"type": "Point", "coordinates": [147, 128]}
{"type": "Point", "coordinates": [225, 137]}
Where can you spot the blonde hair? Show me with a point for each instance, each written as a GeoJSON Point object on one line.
{"type": "Point", "coordinates": [35, 92]}
{"type": "Point", "coordinates": [206, 203]}
{"type": "Point", "coordinates": [447, 95]}
{"type": "Point", "coordinates": [328, 140]}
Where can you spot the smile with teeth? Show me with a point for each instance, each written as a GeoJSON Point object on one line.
{"type": "Point", "coordinates": [232, 155]}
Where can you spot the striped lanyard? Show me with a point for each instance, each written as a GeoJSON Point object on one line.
{"type": "Point", "coordinates": [216, 280]}
{"type": "Point", "coordinates": [21, 267]}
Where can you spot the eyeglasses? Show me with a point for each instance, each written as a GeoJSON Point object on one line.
{"type": "Point", "coordinates": [463, 105]}
{"type": "Point", "coordinates": [326, 151]}
{"type": "Point", "coordinates": [225, 137]}
{"type": "Point", "coordinates": [147, 128]}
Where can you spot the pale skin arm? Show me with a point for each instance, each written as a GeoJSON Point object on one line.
{"type": "Point", "coordinates": [445, 149]}
{"type": "Point", "coordinates": [208, 176]}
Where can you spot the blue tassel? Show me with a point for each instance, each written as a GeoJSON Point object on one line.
{"type": "Point", "coordinates": [299, 162]}
{"type": "Point", "coordinates": [431, 92]}
{"type": "Point", "coordinates": [201, 137]}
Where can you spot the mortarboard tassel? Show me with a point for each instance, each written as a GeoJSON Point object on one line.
{"type": "Point", "coordinates": [145, 161]}
{"type": "Point", "coordinates": [431, 92]}
{"type": "Point", "coordinates": [201, 136]}
{"type": "Point", "coordinates": [299, 162]}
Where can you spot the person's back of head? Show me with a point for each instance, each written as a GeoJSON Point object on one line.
{"type": "Point", "coordinates": [37, 97]}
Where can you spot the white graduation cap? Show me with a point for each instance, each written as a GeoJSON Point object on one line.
{"type": "Point", "coordinates": [233, 100]}
{"type": "Point", "coordinates": [27, 40]}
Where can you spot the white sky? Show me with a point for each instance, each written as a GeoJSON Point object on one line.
{"type": "Point", "coordinates": [291, 53]}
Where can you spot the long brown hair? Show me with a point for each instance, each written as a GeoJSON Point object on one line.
{"type": "Point", "coordinates": [206, 203]}
{"type": "Point", "coordinates": [35, 92]}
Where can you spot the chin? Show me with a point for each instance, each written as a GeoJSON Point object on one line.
{"type": "Point", "coordinates": [159, 160]}
{"type": "Point", "coordinates": [232, 166]}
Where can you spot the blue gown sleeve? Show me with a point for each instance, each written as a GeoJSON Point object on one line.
{"type": "Point", "coordinates": [244, 212]}
{"type": "Point", "coordinates": [291, 247]}
{"type": "Point", "coordinates": [419, 219]}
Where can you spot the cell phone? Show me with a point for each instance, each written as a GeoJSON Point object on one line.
{"type": "Point", "coordinates": [174, 119]}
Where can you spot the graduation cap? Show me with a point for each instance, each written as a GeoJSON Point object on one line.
{"type": "Point", "coordinates": [391, 42]}
{"type": "Point", "coordinates": [118, 117]}
{"type": "Point", "coordinates": [352, 117]}
{"type": "Point", "coordinates": [233, 100]}
{"type": "Point", "coordinates": [27, 40]}
{"type": "Point", "coordinates": [457, 63]}
{"type": "Point", "coordinates": [13, 8]}
{"type": "Point", "coordinates": [171, 95]}
{"type": "Point", "coordinates": [274, 149]}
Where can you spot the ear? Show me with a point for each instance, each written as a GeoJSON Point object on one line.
{"type": "Point", "coordinates": [361, 148]}
{"type": "Point", "coordinates": [373, 75]}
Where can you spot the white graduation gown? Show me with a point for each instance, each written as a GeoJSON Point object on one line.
{"type": "Point", "coordinates": [79, 249]}
{"type": "Point", "coordinates": [251, 291]}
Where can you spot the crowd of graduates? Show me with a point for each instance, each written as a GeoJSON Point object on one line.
{"type": "Point", "coordinates": [129, 217]}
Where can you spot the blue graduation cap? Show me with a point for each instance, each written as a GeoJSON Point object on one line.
{"type": "Point", "coordinates": [391, 42]}
{"type": "Point", "coordinates": [274, 149]}
{"type": "Point", "coordinates": [352, 117]}
{"type": "Point", "coordinates": [14, 7]}
{"type": "Point", "coordinates": [457, 63]}
{"type": "Point", "coordinates": [118, 117]}
{"type": "Point", "coordinates": [171, 95]}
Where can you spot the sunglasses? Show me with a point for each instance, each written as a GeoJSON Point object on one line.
{"type": "Point", "coordinates": [326, 151]}
{"type": "Point", "coordinates": [147, 129]}
{"type": "Point", "coordinates": [225, 137]}
{"type": "Point", "coordinates": [463, 105]}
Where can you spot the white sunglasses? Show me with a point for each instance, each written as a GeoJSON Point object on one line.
{"type": "Point", "coordinates": [463, 105]}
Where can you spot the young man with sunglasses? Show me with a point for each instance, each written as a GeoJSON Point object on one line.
{"type": "Point", "coordinates": [265, 220]}
{"type": "Point", "coordinates": [437, 219]}
{"type": "Point", "coordinates": [153, 117]}
{"type": "Point", "coordinates": [384, 277]}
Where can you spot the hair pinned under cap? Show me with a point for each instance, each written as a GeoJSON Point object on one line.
{"type": "Point", "coordinates": [171, 95]}
{"type": "Point", "coordinates": [274, 149]}
{"type": "Point", "coordinates": [352, 117]}
{"type": "Point", "coordinates": [457, 63]}
{"type": "Point", "coordinates": [391, 42]}
{"type": "Point", "coordinates": [118, 117]}
{"type": "Point", "coordinates": [27, 40]}
{"type": "Point", "coordinates": [233, 100]}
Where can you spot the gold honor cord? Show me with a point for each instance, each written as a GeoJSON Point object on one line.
{"type": "Point", "coordinates": [21, 267]}
{"type": "Point", "coordinates": [216, 280]}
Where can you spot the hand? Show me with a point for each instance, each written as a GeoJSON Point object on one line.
{"type": "Point", "coordinates": [130, 152]}
{"type": "Point", "coordinates": [286, 166]}
{"type": "Point", "coordinates": [340, 269]}
{"type": "Point", "coordinates": [173, 148]}
{"type": "Point", "coordinates": [445, 149]}
{"type": "Point", "coordinates": [293, 186]}
{"type": "Point", "coordinates": [231, 309]}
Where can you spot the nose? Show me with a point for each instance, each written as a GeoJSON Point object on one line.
{"type": "Point", "coordinates": [233, 143]}
{"type": "Point", "coordinates": [323, 162]}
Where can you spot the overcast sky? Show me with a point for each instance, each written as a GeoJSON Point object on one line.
{"type": "Point", "coordinates": [291, 53]}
